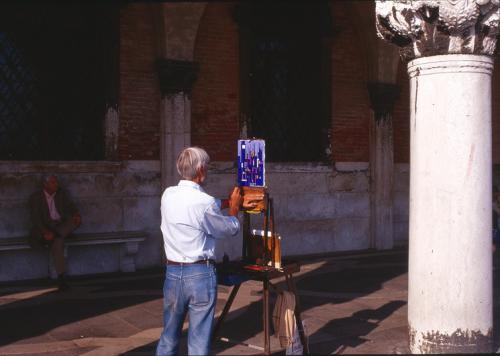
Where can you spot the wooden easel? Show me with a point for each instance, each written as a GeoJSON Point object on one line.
{"type": "Point", "coordinates": [263, 268]}
{"type": "Point", "coordinates": [265, 251]}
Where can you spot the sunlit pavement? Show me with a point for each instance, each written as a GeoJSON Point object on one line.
{"type": "Point", "coordinates": [351, 304]}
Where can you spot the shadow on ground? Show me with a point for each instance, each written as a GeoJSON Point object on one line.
{"type": "Point", "coordinates": [89, 297]}
{"type": "Point", "coordinates": [344, 279]}
{"type": "Point", "coordinates": [333, 284]}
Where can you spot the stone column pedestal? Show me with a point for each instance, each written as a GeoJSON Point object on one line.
{"type": "Point", "coordinates": [450, 261]}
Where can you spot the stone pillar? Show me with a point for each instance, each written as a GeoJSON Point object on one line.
{"type": "Point", "coordinates": [450, 280]}
{"type": "Point", "coordinates": [382, 97]}
{"type": "Point", "coordinates": [176, 81]}
{"type": "Point", "coordinates": [449, 44]}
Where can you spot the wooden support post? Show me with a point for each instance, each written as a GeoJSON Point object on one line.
{"type": "Point", "coordinates": [267, 222]}
{"type": "Point", "coordinates": [246, 235]}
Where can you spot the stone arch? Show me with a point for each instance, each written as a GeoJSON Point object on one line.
{"type": "Point", "coordinates": [216, 93]}
{"type": "Point", "coordinates": [177, 23]}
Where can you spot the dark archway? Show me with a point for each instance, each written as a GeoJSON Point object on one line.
{"type": "Point", "coordinates": [285, 71]}
{"type": "Point", "coordinates": [58, 68]}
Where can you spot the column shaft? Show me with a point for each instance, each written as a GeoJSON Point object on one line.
{"type": "Point", "coordinates": [176, 135]}
{"type": "Point", "coordinates": [450, 269]}
{"type": "Point", "coordinates": [176, 79]}
{"type": "Point", "coordinates": [382, 99]}
{"type": "Point", "coordinates": [382, 171]}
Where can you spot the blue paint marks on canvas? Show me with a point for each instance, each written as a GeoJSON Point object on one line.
{"type": "Point", "coordinates": [251, 163]}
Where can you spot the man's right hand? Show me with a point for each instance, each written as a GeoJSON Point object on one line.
{"type": "Point", "coordinates": [235, 200]}
{"type": "Point", "coordinates": [252, 199]}
{"type": "Point", "coordinates": [48, 235]}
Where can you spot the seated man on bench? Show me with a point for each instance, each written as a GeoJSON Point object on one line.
{"type": "Point", "coordinates": [53, 217]}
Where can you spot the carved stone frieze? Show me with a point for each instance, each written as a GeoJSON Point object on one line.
{"type": "Point", "coordinates": [432, 27]}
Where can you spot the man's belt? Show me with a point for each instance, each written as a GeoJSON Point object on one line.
{"type": "Point", "coordinates": [173, 263]}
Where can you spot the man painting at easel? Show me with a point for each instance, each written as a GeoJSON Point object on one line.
{"type": "Point", "coordinates": [191, 220]}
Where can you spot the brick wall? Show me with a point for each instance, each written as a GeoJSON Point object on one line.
{"type": "Point", "coordinates": [401, 118]}
{"type": "Point", "coordinates": [139, 89]}
{"type": "Point", "coordinates": [215, 97]}
{"type": "Point", "coordinates": [350, 100]}
{"type": "Point", "coordinates": [215, 109]}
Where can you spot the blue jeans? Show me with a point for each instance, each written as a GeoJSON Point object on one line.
{"type": "Point", "coordinates": [188, 289]}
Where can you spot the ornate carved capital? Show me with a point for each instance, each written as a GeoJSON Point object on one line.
{"type": "Point", "coordinates": [176, 76]}
{"type": "Point", "coordinates": [432, 27]}
{"type": "Point", "coordinates": [382, 98]}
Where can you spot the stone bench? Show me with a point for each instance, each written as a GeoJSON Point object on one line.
{"type": "Point", "coordinates": [128, 239]}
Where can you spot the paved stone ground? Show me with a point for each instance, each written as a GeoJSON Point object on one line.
{"type": "Point", "coordinates": [353, 304]}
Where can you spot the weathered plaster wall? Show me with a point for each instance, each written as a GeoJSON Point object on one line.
{"type": "Point", "coordinates": [110, 196]}
{"type": "Point", "coordinates": [317, 209]}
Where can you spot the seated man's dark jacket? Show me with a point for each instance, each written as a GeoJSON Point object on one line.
{"type": "Point", "coordinates": [40, 216]}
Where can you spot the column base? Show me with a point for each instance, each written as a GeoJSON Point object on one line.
{"type": "Point", "coordinates": [459, 342]}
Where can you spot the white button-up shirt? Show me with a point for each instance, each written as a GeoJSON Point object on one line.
{"type": "Point", "coordinates": [191, 220]}
{"type": "Point", "coordinates": [54, 214]}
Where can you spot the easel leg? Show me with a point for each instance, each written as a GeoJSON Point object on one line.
{"type": "Point", "coordinates": [291, 287]}
{"type": "Point", "coordinates": [246, 236]}
{"type": "Point", "coordinates": [222, 316]}
{"type": "Point", "coordinates": [267, 343]}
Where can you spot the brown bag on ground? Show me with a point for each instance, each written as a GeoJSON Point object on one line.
{"type": "Point", "coordinates": [284, 318]}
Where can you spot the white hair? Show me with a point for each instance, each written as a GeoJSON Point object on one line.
{"type": "Point", "coordinates": [190, 161]}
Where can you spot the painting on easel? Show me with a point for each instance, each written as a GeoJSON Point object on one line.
{"type": "Point", "coordinates": [251, 163]}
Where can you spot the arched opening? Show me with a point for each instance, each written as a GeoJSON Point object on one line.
{"type": "Point", "coordinates": [284, 75]}
{"type": "Point", "coordinates": [58, 75]}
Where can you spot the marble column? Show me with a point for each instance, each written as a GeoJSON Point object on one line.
{"type": "Point", "coordinates": [382, 98]}
{"type": "Point", "coordinates": [176, 81]}
{"type": "Point", "coordinates": [448, 44]}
